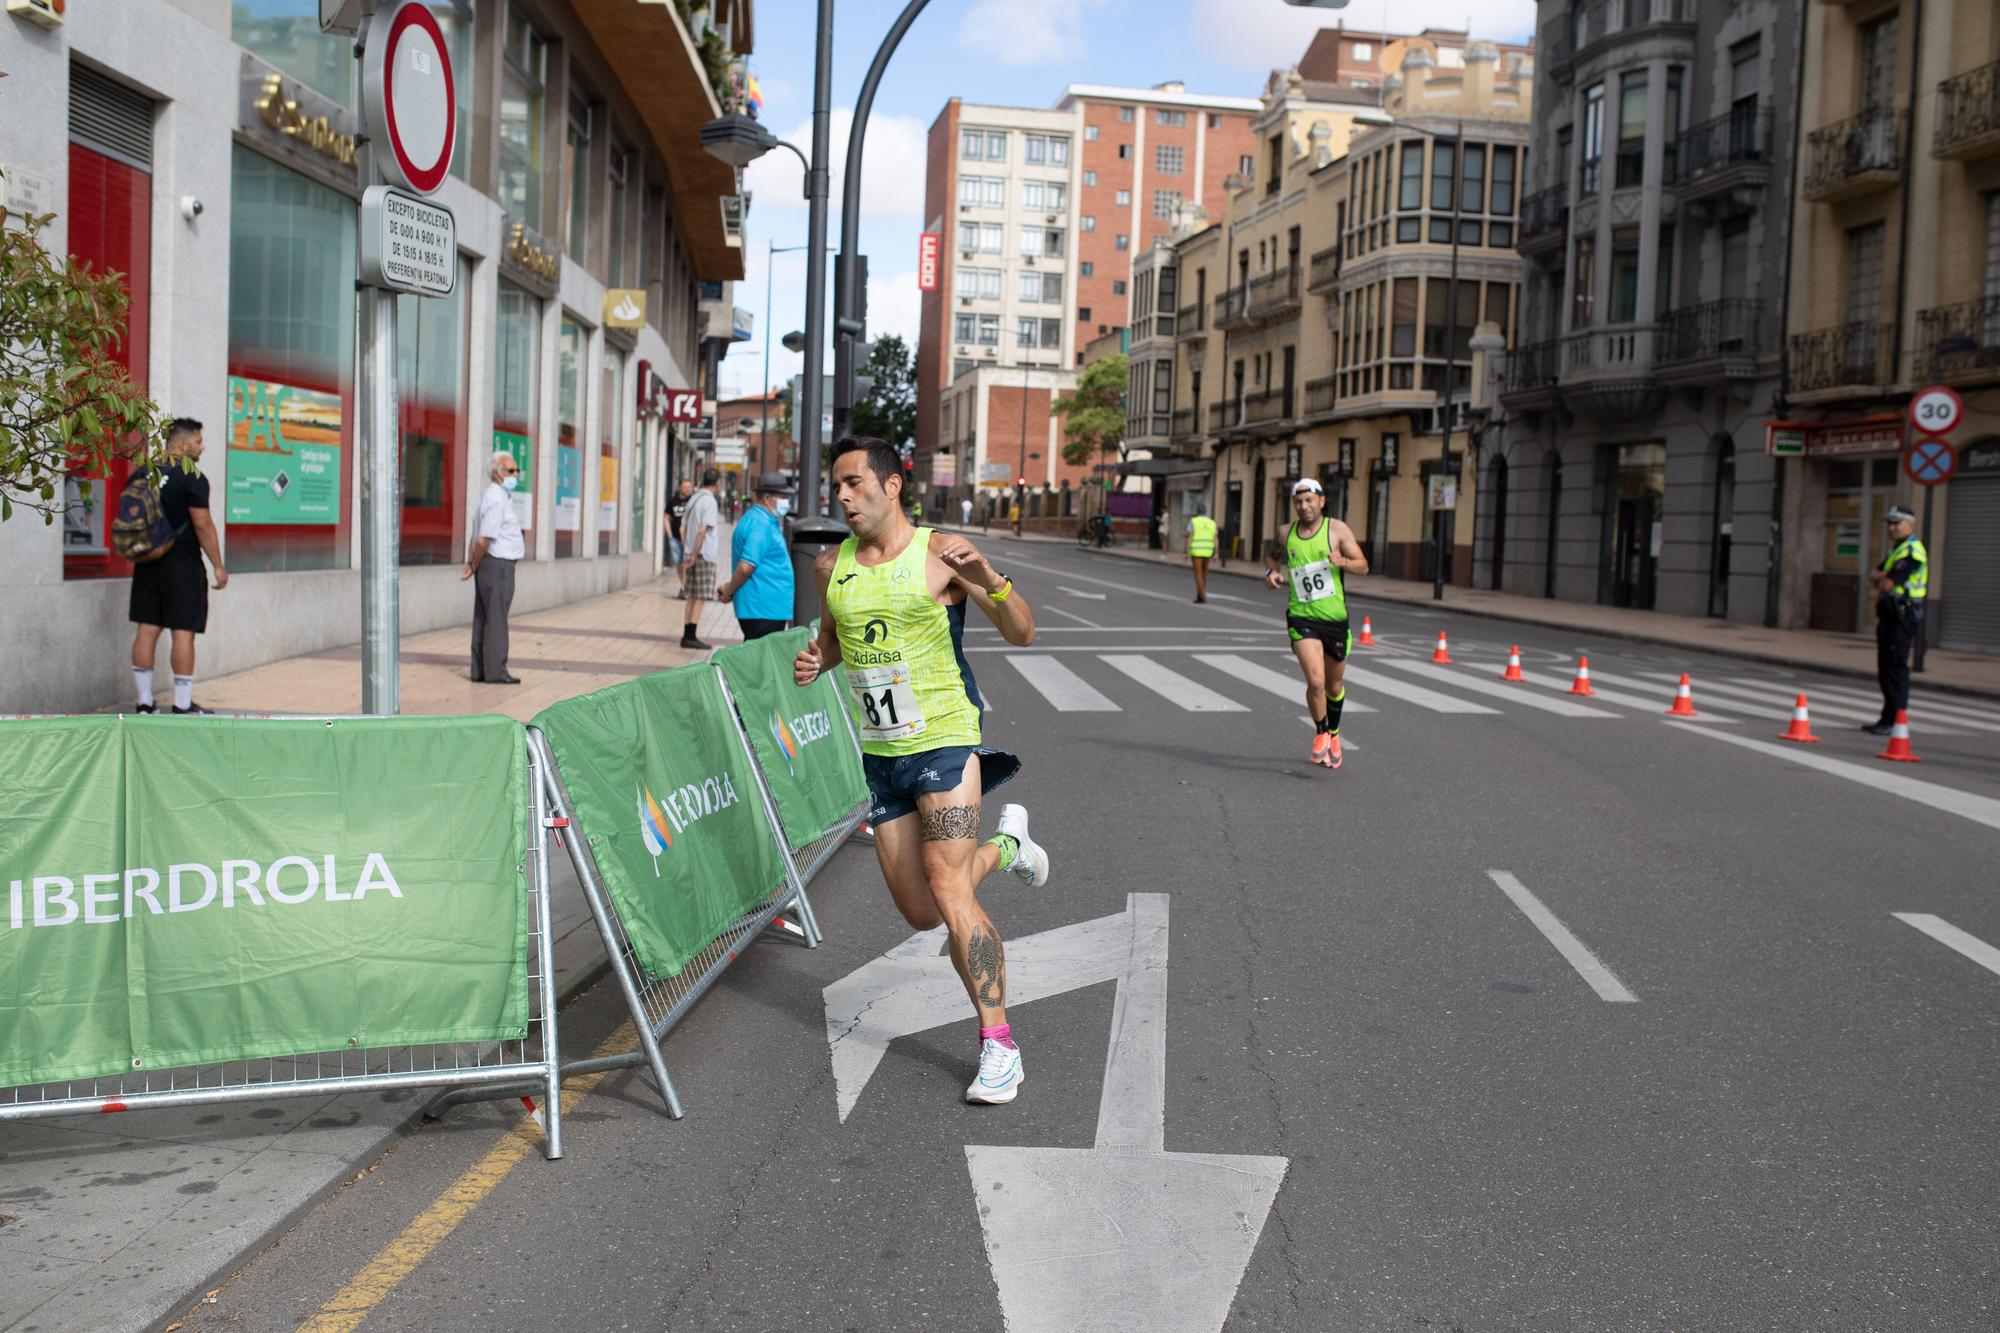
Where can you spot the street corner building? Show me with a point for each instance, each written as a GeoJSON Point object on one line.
{"type": "Point", "coordinates": [208, 152]}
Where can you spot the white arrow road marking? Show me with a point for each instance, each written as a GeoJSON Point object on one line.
{"type": "Point", "coordinates": [1124, 1235]}
{"type": "Point", "coordinates": [1607, 986]}
{"type": "Point", "coordinates": [913, 988]}
{"type": "Point", "coordinates": [1978, 950]}
{"type": "Point", "coordinates": [1087, 596]}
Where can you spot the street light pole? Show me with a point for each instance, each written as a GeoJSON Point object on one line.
{"type": "Point", "coordinates": [812, 391]}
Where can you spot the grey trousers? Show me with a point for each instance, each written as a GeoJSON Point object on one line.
{"type": "Point", "coordinates": [492, 594]}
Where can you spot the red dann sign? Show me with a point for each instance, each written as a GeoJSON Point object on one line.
{"type": "Point", "coordinates": [928, 246]}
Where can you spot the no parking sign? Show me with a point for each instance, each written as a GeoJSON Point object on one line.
{"type": "Point", "coordinates": [1930, 462]}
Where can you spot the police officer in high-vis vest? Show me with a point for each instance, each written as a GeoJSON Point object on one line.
{"type": "Point", "coordinates": [1201, 548]}
{"type": "Point", "coordinates": [1902, 582]}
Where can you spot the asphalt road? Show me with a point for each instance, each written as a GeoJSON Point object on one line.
{"type": "Point", "coordinates": [1748, 1096]}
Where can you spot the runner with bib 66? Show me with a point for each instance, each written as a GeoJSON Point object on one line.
{"type": "Point", "coordinates": [1317, 555]}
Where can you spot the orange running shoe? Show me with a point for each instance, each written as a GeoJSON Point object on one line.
{"type": "Point", "coordinates": [1333, 753]}
{"type": "Point", "coordinates": [1324, 749]}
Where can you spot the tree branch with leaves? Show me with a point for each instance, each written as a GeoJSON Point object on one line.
{"type": "Point", "coordinates": [1093, 413]}
{"type": "Point", "coordinates": [67, 408]}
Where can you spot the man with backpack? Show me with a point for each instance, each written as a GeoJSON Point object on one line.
{"type": "Point", "coordinates": [164, 531]}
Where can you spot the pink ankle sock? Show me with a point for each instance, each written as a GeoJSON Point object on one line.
{"type": "Point", "coordinates": [1002, 1034]}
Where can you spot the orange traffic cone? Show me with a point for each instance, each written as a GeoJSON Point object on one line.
{"type": "Point", "coordinates": [1801, 728]}
{"type": "Point", "coordinates": [1513, 671]}
{"type": "Point", "coordinates": [1443, 655]}
{"type": "Point", "coordinates": [1683, 700]}
{"type": "Point", "coordinates": [1367, 639]}
{"type": "Point", "coordinates": [1899, 741]}
{"type": "Point", "coordinates": [1582, 682]}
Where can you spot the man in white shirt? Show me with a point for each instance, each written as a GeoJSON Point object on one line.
{"type": "Point", "coordinates": [496, 546]}
{"type": "Point", "coordinates": [701, 524]}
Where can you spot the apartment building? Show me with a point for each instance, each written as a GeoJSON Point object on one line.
{"type": "Point", "coordinates": [1357, 58]}
{"type": "Point", "coordinates": [1312, 331]}
{"type": "Point", "coordinates": [574, 177]}
{"type": "Point", "coordinates": [1895, 261]}
{"type": "Point", "coordinates": [1630, 439]}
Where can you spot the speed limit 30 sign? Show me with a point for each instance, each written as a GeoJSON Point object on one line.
{"type": "Point", "coordinates": [1936, 410]}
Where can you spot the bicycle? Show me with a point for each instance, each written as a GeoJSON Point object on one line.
{"type": "Point", "coordinates": [1094, 534]}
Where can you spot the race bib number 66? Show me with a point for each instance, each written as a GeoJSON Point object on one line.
{"type": "Point", "coordinates": [1312, 582]}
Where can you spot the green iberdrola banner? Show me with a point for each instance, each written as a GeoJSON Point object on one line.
{"type": "Point", "coordinates": [802, 743]}
{"type": "Point", "coordinates": [184, 891]}
{"type": "Point", "coordinates": [668, 804]}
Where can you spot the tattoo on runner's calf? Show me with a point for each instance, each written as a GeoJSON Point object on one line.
{"type": "Point", "coordinates": [986, 963]}
{"type": "Point", "coordinates": [952, 821]}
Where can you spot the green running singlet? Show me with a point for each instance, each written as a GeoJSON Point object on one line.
{"type": "Point", "coordinates": [905, 669]}
{"type": "Point", "coordinates": [1317, 589]}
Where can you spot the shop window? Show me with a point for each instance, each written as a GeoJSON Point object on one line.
{"type": "Point", "coordinates": [524, 70]}
{"type": "Point", "coordinates": [576, 163]}
{"type": "Point", "coordinates": [517, 341]}
{"type": "Point", "coordinates": [287, 502]}
{"type": "Point", "coordinates": [286, 35]}
{"type": "Point", "coordinates": [574, 351]}
{"type": "Point", "coordinates": [617, 269]}
{"type": "Point", "coordinates": [430, 356]}
{"type": "Point", "coordinates": [607, 456]}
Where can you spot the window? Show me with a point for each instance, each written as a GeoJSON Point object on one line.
{"type": "Point", "coordinates": [1086, 269]}
{"type": "Point", "coordinates": [1122, 199]}
{"type": "Point", "coordinates": [1403, 324]}
{"type": "Point", "coordinates": [996, 146]}
{"type": "Point", "coordinates": [1121, 242]}
{"type": "Point", "coordinates": [1052, 333]}
{"type": "Point", "coordinates": [1031, 196]}
{"type": "Point", "coordinates": [295, 45]}
{"type": "Point", "coordinates": [989, 330]}
{"type": "Point", "coordinates": [1165, 202]}
{"type": "Point", "coordinates": [1671, 149]}
{"type": "Point", "coordinates": [1410, 184]}
{"type": "Point", "coordinates": [1035, 149]}
{"type": "Point", "coordinates": [965, 282]}
{"type": "Point", "coordinates": [1031, 242]}
{"type": "Point", "coordinates": [1169, 159]}
{"type": "Point", "coordinates": [1090, 178]}
{"type": "Point", "coordinates": [1472, 180]}
{"type": "Point", "coordinates": [1363, 50]}
{"type": "Point", "coordinates": [996, 192]}
{"type": "Point", "coordinates": [972, 145]}
{"type": "Point", "coordinates": [960, 365]}
{"type": "Point", "coordinates": [572, 351]}
{"type": "Point", "coordinates": [1503, 181]}
{"type": "Point", "coordinates": [1118, 287]}
{"type": "Point", "coordinates": [1583, 273]}
{"type": "Point", "coordinates": [1246, 166]}
{"type": "Point", "coordinates": [1058, 150]}
{"type": "Point", "coordinates": [989, 284]}
{"type": "Point", "coordinates": [1409, 230]}
{"type": "Point", "coordinates": [1044, 196]}
{"type": "Point", "coordinates": [1276, 150]}
{"type": "Point", "coordinates": [1624, 276]}
{"type": "Point", "coordinates": [1443, 165]}
{"type": "Point", "coordinates": [1031, 287]}
{"type": "Point", "coordinates": [1053, 242]}
{"type": "Point", "coordinates": [1124, 152]}
{"type": "Point", "coordinates": [1090, 133]}
{"type": "Point", "coordinates": [1878, 63]}
{"type": "Point", "coordinates": [521, 78]}
{"type": "Point", "coordinates": [1163, 387]}
{"type": "Point", "coordinates": [1027, 331]}
{"type": "Point", "coordinates": [1214, 121]}
{"type": "Point", "coordinates": [1499, 300]}
{"type": "Point", "coordinates": [962, 327]}
{"type": "Point", "coordinates": [1052, 288]}
{"type": "Point", "coordinates": [970, 189]}
{"type": "Point", "coordinates": [1631, 165]}
{"type": "Point", "coordinates": [576, 164]}
{"type": "Point", "coordinates": [1089, 223]}
{"type": "Point", "coordinates": [1593, 138]}
{"type": "Point", "coordinates": [992, 238]}
{"type": "Point", "coordinates": [1125, 115]}
{"type": "Point", "coordinates": [621, 204]}
{"type": "Point", "coordinates": [968, 236]}
{"type": "Point", "coordinates": [1083, 313]}
{"type": "Point", "coordinates": [1170, 117]}
{"type": "Point", "coordinates": [516, 373]}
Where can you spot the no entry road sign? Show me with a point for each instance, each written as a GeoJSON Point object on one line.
{"type": "Point", "coordinates": [408, 96]}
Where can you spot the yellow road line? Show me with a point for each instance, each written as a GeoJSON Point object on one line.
{"type": "Point", "coordinates": [399, 1258]}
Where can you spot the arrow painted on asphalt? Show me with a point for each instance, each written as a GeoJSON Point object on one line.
{"type": "Point", "coordinates": [1087, 596]}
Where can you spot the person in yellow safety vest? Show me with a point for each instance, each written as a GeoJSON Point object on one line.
{"type": "Point", "coordinates": [1903, 582]}
{"type": "Point", "coordinates": [1200, 548]}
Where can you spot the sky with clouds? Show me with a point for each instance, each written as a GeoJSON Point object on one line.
{"type": "Point", "coordinates": [1011, 52]}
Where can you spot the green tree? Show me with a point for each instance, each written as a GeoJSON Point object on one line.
{"type": "Point", "coordinates": [889, 412]}
{"type": "Point", "coordinates": [1093, 414]}
{"type": "Point", "coordinates": [66, 407]}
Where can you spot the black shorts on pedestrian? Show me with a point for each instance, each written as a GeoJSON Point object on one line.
{"type": "Point", "coordinates": [756, 628]}
{"type": "Point", "coordinates": [895, 781]}
{"type": "Point", "coordinates": [1333, 635]}
{"type": "Point", "coordinates": [171, 593]}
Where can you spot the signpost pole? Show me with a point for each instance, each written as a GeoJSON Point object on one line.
{"type": "Point", "coordinates": [381, 489]}
{"type": "Point", "coordinates": [1923, 629]}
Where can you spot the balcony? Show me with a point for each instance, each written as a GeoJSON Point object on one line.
{"type": "Point", "coordinates": [1714, 342]}
{"type": "Point", "coordinates": [1846, 357]}
{"type": "Point", "coordinates": [1855, 157]}
{"type": "Point", "coordinates": [1959, 344]}
{"type": "Point", "coordinates": [1191, 321]}
{"type": "Point", "coordinates": [1324, 273]}
{"type": "Point", "coordinates": [1608, 372]}
{"type": "Point", "coordinates": [1184, 426]}
{"type": "Point", "coordinates": [1268, 410]}
{"type": "Point", "coordinates": [1545, 221]}
{"type": "Point", "coordinates": [1719, 157]}
{"type": "Point", "coordinates": [1320, 398]}
{"type": "Point", "coordinates": [1529, 375]}
{"type": "Point", "coordinates": [1224, 417]}
{"type": "Point", "coordinates": [1969, 115]}
{"type": "Point", "coordinates": [1231, 312]}
{"type": "Point", "coordinates": [1275, 296]}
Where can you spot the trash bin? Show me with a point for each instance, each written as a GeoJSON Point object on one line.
{"type": "Point", "coordinates": [810, 536]}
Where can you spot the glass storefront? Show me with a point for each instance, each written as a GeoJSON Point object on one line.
{"type": "Point", "coordinates": [607, 456]}
{"type": "Point", "coordinates": [516, 363]}
{"type": "Point", "coordinates": [569, 448]}
{"type": "Point", "coordinates": [524, 69]}
{"type": "Point", "coordinates": [430, 355]}
{"type": "Point", "coordinates": [285, 33]}
{"type": "Point", "coordinates": [289, 433]}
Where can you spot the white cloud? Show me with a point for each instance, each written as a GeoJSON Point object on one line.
{"type": "Point", "coordinates": [892, 171]}
{"type": "Point", "coordinates": [1026, 32]}
{"type": "Point", "coordinates": [1280, 33]}
{"type": "Point", "coordinates": [894, 306]}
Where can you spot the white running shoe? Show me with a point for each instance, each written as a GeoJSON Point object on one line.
{"type": "Point", "coordinates": [1031, 863]}
{"type": "Point", "coordinates": [999, 1074]}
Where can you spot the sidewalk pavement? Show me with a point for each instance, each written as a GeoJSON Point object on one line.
{"type": "Point", "coordinates": [1811, 650]}
{"type": "Point", "coordinates": [117, 1222]}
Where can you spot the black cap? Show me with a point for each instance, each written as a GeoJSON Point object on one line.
{"type": "Point", "coordinates": [773, 483]}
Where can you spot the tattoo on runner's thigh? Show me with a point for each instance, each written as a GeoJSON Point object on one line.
{"type": "Point", "coordinates": [986, 963]}
{"type": "Point", "coordinates": [951, 821]}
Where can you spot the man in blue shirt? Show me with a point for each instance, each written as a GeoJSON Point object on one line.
{"type": "Point", "coordinates": [760, 584]}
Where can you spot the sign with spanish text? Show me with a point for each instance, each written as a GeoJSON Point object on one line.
{"type": "Point", "coordinates": [283, 455]}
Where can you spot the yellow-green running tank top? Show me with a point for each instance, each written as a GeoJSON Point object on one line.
{"type": "Point", "coordinates": [906, 670]}
{"type": "Point", "coordinates": [1317, 589]}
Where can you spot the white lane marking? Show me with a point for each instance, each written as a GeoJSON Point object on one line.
{"type": "Point", "coordinates": [1190, 695]}
{"type": "Point", "coordinates": [1704, 695]}
{"type": "Point", "coordinates": [1088, 596]}
{"type": "Point", "coordinates": [1230, 597]}
{"type": "Point", "coordinates": [1179, 598]}
{"type": "Point", "coordinates": [1066, 691]}
{"type": "Point", "coordinates": [1978, 950]}
{"type": "Point", "coordinates": [1273, 630]}
{"type": "Point", "coordinates": [1776, 704]}
{"type": "Point", "coordinates": [1128, 647]}
{"type": "Point", "coordinates": [1396, 688]}
{"type": "Point", "coordinates": [1276, 682]}
{"type": "Point", "coordinates": [1922, 705]}
{"type": "Point", "coordinates": [1617, 698]}
{"type": "Point", "coordinates": [1070, 615]}
{"type": "Point", "coordinates": [1979, 809]}
{"type": "Point", "coordinates": [1608, 987]}
{"type": "Point", "coordinates": [1462, 680]}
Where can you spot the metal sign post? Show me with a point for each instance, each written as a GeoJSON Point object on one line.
{"type": "Point", "coordinates": [406, 245]}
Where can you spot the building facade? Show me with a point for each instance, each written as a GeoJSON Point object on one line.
{"type": "Point", "coordinates": [1631, 432]}
{"type": "Point", "coordinates": [1895, 262]}
{"type": "Point", "coordinates": [234, 218]}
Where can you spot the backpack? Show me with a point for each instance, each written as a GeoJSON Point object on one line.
{"type": "Point", "coordinates": [140, 531]}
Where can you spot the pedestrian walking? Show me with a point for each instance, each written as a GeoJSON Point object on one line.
{"type": "Point", "coordinates": [170, 590]}
{"type": "Point", "coordinates": [1902, 584]}
{"type": "Point", "coordinates": [702, 523]}
{"type": "Point", "coordinates": [965, 512]}
{"type": "Point", "coordinates": [496, 548]}
{"type": "Point", "coordinates": [1200, 547]}
{"type": "Point", "coordinates": [893, 605]}
{"type": "Point", "coordinates": [760, 580]}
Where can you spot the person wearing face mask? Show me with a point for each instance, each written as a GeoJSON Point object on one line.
{"type": "Point", "coordinates": [760, 586]}
{"type": "Point", "coordinates": [496, 546]}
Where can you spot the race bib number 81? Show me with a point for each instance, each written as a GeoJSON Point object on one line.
{"type": "Point", "coordinates": [888, 703]}
{"type": "Point", "coordinates": [1312, 582]}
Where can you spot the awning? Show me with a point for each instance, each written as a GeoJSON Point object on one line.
{"type": "Point", "coordinates": [1164, 467]}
